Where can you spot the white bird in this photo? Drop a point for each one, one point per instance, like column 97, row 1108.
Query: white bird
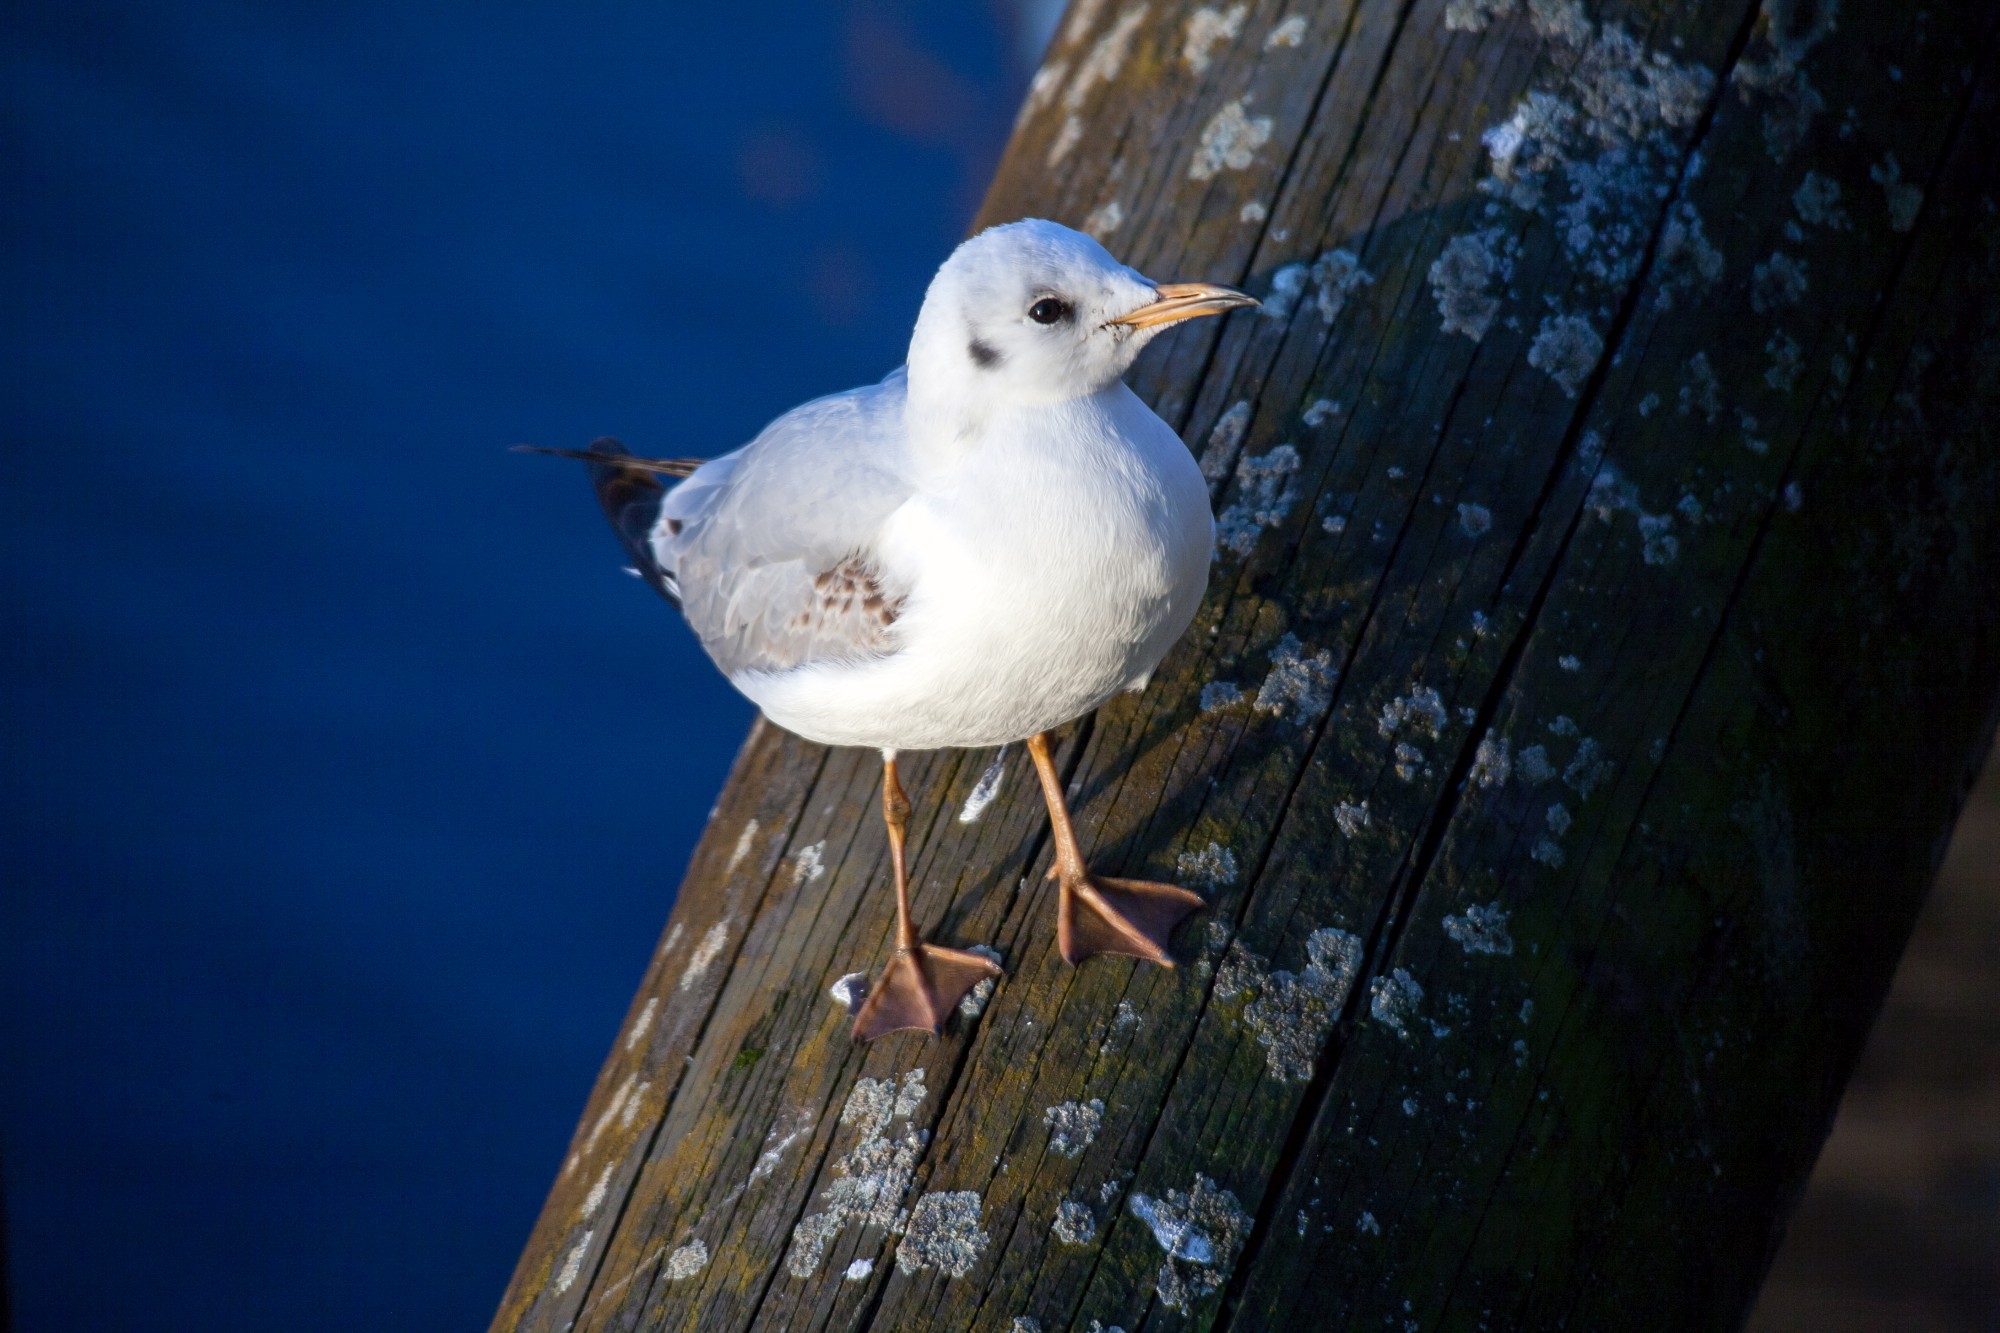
column 989, row 543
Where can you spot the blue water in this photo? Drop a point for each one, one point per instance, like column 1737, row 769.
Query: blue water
column 348, row 780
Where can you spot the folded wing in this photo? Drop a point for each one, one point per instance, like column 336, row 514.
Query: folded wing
column 771, row 550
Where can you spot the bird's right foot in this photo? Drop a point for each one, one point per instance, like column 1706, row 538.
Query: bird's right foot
column 919, row 989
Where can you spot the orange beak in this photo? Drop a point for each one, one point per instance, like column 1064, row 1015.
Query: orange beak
column 1185, row 300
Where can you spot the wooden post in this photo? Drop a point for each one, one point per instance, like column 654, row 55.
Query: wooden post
column 1604, row 631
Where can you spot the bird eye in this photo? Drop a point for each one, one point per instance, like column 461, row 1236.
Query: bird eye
column 1049, row 310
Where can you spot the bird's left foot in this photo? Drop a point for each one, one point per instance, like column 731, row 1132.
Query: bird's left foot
column 1132, row 917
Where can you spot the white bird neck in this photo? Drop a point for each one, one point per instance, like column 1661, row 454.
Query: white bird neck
column 950, row 406
column 944, row 419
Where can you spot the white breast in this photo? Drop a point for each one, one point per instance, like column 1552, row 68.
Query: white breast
column 1051, row 562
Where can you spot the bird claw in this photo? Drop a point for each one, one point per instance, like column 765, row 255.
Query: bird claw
column 919, row 989
column 1131, row 917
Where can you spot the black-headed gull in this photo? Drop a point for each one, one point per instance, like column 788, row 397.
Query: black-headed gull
column 989, row 543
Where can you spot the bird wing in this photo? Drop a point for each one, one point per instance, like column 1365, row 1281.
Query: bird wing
column 772, row 549
column 631, row 493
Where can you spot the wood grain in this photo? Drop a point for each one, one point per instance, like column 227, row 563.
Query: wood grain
column 1700, row 534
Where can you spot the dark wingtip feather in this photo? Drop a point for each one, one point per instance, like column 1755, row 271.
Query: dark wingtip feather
column 614, row 452
column 630, row 490
column 631, row 497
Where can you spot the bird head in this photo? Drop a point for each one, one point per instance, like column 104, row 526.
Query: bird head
column 1032, row 313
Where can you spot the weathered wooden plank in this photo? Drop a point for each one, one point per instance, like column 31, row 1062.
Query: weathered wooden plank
column 760, row 803
column 1607, row 573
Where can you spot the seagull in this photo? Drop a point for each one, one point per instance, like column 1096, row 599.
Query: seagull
column 991, row 542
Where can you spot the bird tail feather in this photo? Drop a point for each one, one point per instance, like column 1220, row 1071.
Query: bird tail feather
column 630, row 490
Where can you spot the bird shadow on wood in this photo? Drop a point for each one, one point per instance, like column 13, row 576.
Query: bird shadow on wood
column 1326, row 424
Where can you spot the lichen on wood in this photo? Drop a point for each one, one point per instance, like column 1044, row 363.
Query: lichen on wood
column 1600, row 644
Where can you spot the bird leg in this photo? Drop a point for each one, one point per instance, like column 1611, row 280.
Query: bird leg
column 923, row 982
column 1097, row 914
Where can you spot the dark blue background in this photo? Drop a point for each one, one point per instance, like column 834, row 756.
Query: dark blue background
column 348, row 780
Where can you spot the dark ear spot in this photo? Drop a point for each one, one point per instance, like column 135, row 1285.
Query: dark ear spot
column 983, row 354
